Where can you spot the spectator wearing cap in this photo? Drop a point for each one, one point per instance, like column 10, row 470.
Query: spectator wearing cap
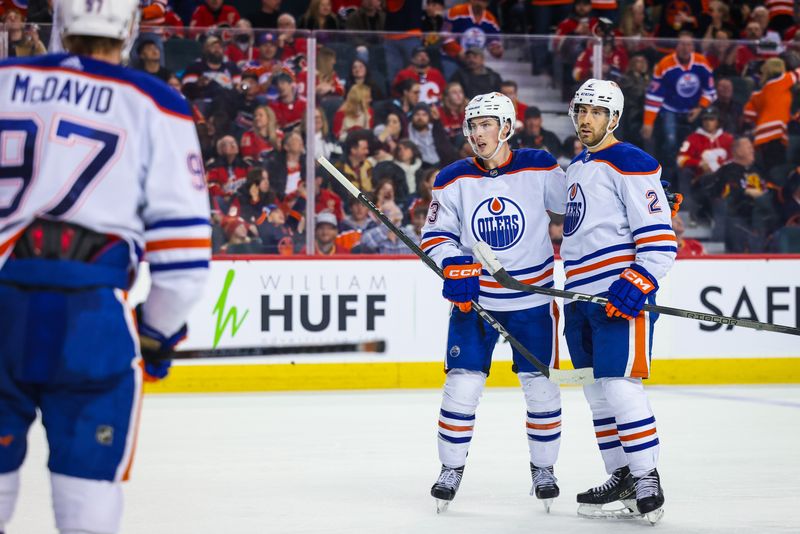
column 431, row 80
column 239, row 239
column 769, row 109
column 258, row 142
column 226, row 172
column 420, row 132
column 289, row 109
column 702, row 153
column 214, row 14
column 451, row 114
column 150, row 59
column 477, row 78
column 471, row 25
column 320, row 16
column 267, row 62
column 356, row 166
column 380, row 240
column 509, row 88
column 355, row 113
column 326, row 229
column 266, row 16
column 210, row 76
column 533, row 135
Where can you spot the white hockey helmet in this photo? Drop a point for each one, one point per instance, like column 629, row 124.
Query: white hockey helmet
column 495, row 105
column 601, row 93
column 117, row 19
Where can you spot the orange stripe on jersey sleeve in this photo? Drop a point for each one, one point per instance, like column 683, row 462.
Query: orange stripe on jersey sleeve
column 165, row 244
column 430, row 242
column 659, row 237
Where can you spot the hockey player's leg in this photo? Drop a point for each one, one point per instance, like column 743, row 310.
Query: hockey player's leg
column 9, row 489
column 86, row 506
column 636, row 426
column 462, row 392
column 543, row 427
column 620, row 486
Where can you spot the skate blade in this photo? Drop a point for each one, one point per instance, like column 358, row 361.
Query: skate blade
column 596, row 511
column 441, row 506
column 655, row 516
column 547, row 503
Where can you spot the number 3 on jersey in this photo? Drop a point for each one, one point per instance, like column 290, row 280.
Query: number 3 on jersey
column 18, row 139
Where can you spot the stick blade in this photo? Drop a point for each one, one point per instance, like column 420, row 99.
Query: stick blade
column 484, row 254
column 575, row 377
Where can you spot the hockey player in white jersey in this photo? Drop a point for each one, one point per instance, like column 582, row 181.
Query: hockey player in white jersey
column 618, row 242
column 500, row 197
column 99, row 167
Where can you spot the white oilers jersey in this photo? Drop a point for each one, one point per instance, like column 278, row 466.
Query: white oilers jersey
column 617, row 214
column 504, row 207
column 115, row 151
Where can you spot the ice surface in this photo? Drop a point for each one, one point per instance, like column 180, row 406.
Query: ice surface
column 363, row 462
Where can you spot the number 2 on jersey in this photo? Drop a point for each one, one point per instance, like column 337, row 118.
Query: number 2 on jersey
column 22, row 169
column 653, row 206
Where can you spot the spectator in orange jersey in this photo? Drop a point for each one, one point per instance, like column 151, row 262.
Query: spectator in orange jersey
column 769, row 109
column 687, row 248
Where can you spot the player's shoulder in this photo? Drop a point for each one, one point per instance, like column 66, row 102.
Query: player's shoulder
column 532, row 159
column 162, row 95
column 454, row 171
column 626, row 158
column 458, row 11
column 579, row 157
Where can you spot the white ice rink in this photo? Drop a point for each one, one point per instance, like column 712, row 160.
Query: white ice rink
column 363, row 462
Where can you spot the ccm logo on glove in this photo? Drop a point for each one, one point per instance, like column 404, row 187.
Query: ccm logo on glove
column 643, row 284
column 456, row 272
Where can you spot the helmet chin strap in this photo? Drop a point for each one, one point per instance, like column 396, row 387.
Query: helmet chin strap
column 500, row 142
column 609, row 131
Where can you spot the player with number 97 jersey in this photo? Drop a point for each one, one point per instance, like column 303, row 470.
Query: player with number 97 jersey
column 99, row 168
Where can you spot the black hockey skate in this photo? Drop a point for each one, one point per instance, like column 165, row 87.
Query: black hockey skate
column 650, row 496
column 544, row 485
column 446, row 486
column 619, row 488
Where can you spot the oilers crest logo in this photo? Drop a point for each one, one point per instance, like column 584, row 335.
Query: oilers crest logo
column 576, row 209
column 498, row 221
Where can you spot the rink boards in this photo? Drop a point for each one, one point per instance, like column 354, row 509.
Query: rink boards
column 285, row 302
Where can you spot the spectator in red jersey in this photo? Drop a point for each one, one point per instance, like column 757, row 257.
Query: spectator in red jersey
column 431, row 79
column 328, row 84
column 240, row 50
column 359, row 73
column 286, row 167
column 324, row 198
column 293, row 49
column 263, row 138
column 289, row 109
column 702, row 153
column 509, row 88
column 568, row 44
column 533, row 135
column 687, row 248
column 355, row 113
column 451, row 114
column 615, row 57
column 745, row 53
column 227, row 172
column 267, row 15
column 210, row 76
column 214, row 14
column 320, row 16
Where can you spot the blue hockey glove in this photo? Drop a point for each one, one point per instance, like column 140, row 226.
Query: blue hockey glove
column 674, row 199
column 461, row 282
column 627, row 296
column 156, row 348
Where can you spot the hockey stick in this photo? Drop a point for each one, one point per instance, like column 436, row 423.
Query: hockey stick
column 558, row 376
column 368, row 346
column 486, row 256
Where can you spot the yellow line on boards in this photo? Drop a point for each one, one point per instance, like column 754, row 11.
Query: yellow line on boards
column 330, row 376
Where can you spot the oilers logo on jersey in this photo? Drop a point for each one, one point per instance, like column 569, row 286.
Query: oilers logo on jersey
column 499, row 221
column 688, row 85
column 576, row 209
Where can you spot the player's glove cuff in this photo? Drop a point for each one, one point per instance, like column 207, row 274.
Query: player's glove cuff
column 156, row 348
column 461, row 281
column 626, row 296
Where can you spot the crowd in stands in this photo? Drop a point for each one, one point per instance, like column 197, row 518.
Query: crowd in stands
column 711, row 90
